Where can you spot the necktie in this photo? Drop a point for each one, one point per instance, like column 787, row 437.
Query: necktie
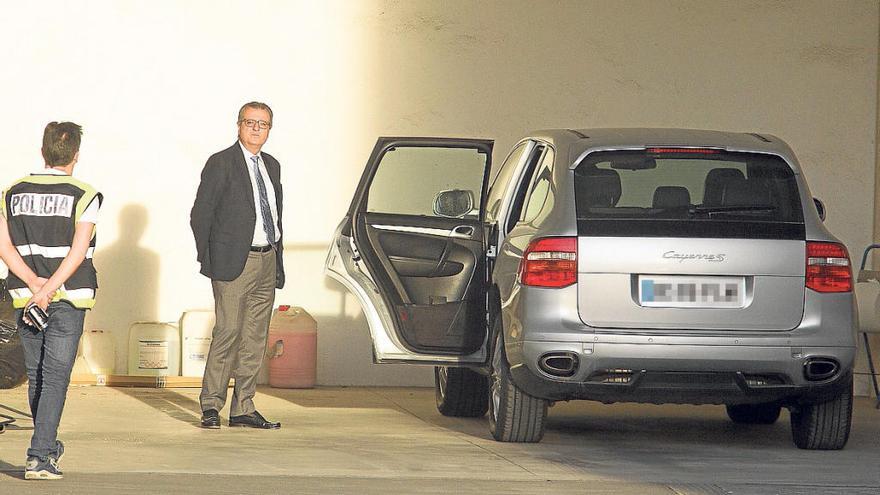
column 265, row 211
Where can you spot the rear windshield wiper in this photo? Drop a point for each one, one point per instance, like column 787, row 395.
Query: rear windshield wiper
column 710, row 210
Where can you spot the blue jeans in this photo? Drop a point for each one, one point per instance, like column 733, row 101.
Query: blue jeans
column 49, row 356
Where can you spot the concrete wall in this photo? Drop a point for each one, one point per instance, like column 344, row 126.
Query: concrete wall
column 874, row 340
column 157, row 84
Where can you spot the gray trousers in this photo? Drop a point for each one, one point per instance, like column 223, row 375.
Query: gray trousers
column 243, row 307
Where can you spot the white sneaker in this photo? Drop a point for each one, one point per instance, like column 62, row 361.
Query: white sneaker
column 42, row 469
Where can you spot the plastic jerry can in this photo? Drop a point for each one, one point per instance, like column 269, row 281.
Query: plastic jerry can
column 99, row 350
column 153, row 349
column 293, row 348
column 196, row 330
column 80, row 367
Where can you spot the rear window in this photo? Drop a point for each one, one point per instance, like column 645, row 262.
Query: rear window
column 663, row 192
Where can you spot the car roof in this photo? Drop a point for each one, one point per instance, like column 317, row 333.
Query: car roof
column 581, row 141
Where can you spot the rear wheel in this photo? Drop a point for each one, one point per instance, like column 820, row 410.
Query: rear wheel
column 754, row 414
column 514, row 416
column 826, row 425
column 461, row 392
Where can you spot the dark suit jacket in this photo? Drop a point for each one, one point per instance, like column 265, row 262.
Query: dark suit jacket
column 224, row 214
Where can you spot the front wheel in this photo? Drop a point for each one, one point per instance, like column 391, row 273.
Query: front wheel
column 460, row 392
column 514, row 416
column 826, row 425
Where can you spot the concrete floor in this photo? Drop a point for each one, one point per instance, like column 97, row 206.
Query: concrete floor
column 392, row 440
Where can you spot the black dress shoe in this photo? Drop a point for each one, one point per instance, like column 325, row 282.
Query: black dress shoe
column 253, row 420
column 211, row 419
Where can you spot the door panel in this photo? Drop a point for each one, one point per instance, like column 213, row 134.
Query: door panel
column 438, row 301
column 414, row 254
column 420, row 274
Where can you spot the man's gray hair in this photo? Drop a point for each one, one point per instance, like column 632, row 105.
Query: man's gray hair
column 255, row 104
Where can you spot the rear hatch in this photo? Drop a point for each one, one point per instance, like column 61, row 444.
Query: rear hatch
column 689, row 239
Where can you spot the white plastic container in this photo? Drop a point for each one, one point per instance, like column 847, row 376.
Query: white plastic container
column 99, row 350
column 80, row 367
column 153, row 349
column 196, row 329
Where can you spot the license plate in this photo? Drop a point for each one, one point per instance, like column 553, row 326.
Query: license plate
column 691, row 292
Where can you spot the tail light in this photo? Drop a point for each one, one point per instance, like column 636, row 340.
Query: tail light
column 828, row 267
column 550, row 262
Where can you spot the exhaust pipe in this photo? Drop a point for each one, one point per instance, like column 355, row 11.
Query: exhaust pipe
column 818, row 369
column 562, row 364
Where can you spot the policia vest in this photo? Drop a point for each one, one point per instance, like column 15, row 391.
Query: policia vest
column 41, row 212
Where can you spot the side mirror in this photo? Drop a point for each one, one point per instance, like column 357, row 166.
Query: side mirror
column 820, row 207
column 454, row 203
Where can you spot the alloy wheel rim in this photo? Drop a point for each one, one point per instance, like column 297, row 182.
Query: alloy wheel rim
column 442, row 377
column 496, row 384
column 496, row 397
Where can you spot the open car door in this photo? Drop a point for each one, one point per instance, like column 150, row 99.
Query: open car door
column 412, row 249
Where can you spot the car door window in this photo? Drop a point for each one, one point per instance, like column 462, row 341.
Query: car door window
column 539, row 197
column 523, row 187
column 496, row 192
column 408, row 179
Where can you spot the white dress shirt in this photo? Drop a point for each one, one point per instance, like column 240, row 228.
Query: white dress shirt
column 259, row 233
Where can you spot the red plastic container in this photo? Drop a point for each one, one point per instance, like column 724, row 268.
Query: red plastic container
column 293, row 348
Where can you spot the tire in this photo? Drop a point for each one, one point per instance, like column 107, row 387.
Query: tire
column 826, row 425
column 514, row 416
column 754, row 414
column 12, row 370
column 461, row 392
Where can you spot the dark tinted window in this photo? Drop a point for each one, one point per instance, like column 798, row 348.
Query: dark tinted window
column 705, row 193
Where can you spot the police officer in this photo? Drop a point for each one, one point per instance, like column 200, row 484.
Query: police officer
column 47, row 238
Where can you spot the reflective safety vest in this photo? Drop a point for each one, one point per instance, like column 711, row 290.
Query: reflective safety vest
column 41, row 211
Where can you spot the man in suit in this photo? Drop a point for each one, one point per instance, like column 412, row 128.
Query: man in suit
column 236, row 222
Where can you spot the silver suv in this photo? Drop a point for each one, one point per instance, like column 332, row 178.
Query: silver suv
column 616, row 265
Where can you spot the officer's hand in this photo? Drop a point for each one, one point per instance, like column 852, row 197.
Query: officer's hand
column 40, row 299
column 37, row 285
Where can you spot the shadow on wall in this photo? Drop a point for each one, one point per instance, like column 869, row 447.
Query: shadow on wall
column 128, row 279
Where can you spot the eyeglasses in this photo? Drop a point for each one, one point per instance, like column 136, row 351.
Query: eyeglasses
column 251, row 123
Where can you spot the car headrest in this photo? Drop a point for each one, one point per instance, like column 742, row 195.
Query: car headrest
column 600, row 188
column 716, row 179
column 745, row 193
column 671, row 197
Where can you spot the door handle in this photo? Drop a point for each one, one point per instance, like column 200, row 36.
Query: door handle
column 462, row 232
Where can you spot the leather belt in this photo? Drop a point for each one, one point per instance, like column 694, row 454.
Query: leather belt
column 261, row 249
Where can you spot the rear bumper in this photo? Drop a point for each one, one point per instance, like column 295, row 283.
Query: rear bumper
column 680, row 373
